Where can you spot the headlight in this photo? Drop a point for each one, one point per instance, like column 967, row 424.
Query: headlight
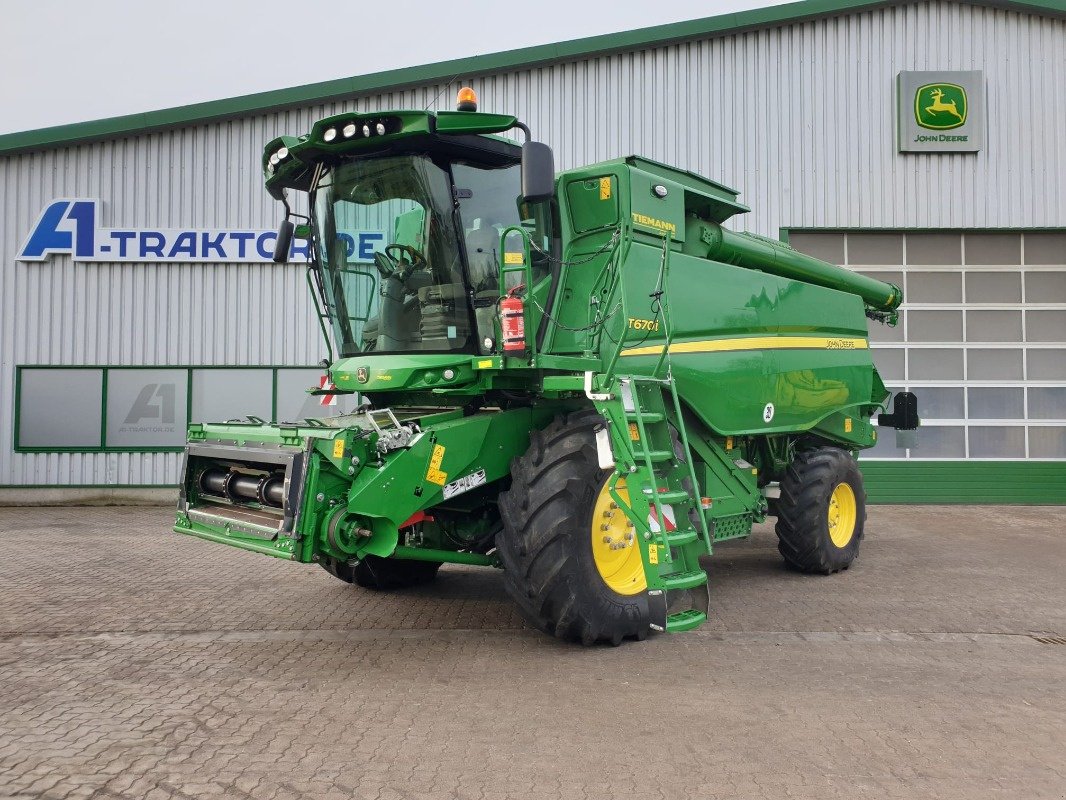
column 330, row 134
column 380, row 129
column 282, row 153
column 366, row 130
column 349, row 130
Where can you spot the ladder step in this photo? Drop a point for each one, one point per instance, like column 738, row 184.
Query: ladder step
column 679, row 538
column 684, row 580
column 685, row 620
column 647, row 379
column 649, row 417
column 671, row 496
column 658, row 455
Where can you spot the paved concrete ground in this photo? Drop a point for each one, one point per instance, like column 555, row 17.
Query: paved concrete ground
column 135, row 663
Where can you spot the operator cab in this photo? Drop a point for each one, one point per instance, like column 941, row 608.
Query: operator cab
column 408, row 244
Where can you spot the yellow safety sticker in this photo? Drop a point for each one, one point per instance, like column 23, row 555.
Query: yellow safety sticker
column 434, row 473
column 338, row 448
column 873, row 435
column 512, row 258
column 653, row 554
column 486, row 364
column 847, row 424
column 634, row 433
column 729, row 443
column 605, row 188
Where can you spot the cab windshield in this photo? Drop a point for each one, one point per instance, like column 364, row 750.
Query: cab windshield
column 409, row 251
column 391, row 267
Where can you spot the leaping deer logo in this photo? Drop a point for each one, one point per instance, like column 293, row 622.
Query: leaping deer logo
column 940, row 106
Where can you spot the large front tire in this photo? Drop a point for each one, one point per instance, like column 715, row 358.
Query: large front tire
column 821, row 513
column 550, row 518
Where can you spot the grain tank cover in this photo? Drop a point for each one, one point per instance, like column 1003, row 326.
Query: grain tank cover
column 695, row 219
column 706, row 198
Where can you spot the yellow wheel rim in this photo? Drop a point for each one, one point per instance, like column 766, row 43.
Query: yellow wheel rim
column 614, row 544
column 843, row 512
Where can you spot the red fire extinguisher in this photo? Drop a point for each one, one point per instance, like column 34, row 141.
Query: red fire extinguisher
column 513, row 322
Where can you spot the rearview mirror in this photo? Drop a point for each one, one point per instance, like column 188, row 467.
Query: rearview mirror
column 284, row 242
column 538, row 172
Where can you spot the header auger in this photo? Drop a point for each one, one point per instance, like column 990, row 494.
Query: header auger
column 583, row 379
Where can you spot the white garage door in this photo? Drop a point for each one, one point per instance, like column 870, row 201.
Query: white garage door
column 981, row 339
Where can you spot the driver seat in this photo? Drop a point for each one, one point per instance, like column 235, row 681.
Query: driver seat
column 439, row 317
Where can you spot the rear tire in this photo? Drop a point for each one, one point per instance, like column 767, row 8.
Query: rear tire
column 382, row 574
column 821, row 513
column 546, row 544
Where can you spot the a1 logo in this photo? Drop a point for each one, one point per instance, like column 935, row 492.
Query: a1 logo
column 768, row 412
column 65, row 226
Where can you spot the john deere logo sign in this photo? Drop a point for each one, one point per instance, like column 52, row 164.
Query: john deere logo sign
column 940, row 106
column 941, row 112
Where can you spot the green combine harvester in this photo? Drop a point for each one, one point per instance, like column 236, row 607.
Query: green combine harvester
column 583, row 379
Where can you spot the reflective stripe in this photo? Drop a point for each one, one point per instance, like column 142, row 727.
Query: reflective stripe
column 753, row 343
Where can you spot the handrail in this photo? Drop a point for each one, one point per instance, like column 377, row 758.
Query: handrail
column 613, row 278
column 526, row 269
column 664, row 269
column 313, row 278
column 683, row 432
column 619, row 286
column 662, row 296
column 656, row 502
column 321, row 316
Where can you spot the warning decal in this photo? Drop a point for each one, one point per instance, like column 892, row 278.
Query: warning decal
column 434, row 474
column 326, row 385
column 464, row 484
column 671, row 520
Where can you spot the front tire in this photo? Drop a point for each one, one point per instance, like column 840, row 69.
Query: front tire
column 551, row 518
column 382, row 574
column 821, row 513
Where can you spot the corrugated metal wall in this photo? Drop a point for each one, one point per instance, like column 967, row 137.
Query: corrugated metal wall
column 800, row 118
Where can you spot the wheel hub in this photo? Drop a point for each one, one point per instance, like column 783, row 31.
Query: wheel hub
column 614, row 543
column 842, row 514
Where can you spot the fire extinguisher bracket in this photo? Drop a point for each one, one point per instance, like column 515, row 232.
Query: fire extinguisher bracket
column 514, row 326
column 513, row 322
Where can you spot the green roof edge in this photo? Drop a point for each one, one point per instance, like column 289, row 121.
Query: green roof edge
column 469, row 67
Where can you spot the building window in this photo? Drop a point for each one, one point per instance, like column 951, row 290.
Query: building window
column 148, row 409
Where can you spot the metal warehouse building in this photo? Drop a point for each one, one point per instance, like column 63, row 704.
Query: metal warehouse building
column 918, row 142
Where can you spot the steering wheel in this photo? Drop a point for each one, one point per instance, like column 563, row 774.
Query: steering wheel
column 416, row 258
column 402, row 263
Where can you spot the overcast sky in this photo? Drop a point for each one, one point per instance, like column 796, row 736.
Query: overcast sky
column 65, row 61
